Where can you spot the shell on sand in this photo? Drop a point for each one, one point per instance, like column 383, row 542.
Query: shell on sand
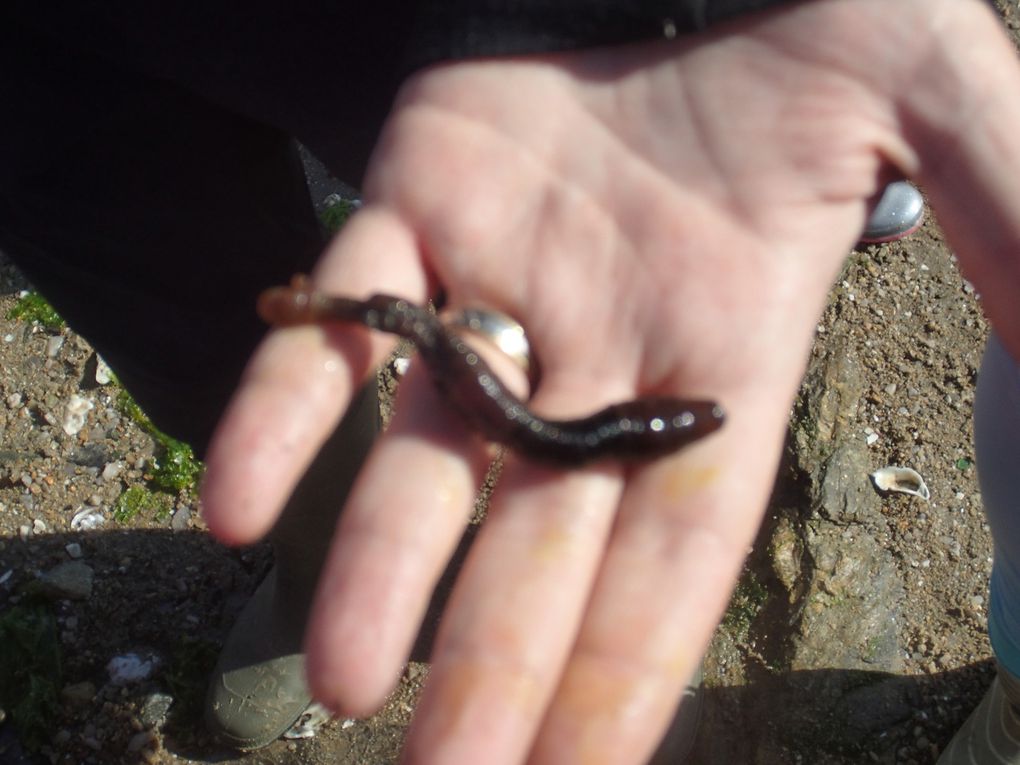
column 902, row 480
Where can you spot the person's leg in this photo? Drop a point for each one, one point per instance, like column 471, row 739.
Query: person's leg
column 152, row 219
column 258, row 690
column 992, row 733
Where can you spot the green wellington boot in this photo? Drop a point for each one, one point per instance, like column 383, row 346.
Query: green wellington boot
column 992, row 732
column 258, row 691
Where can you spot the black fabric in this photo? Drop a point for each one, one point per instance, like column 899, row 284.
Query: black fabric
column 149, row 184
column 325, row 73
column 150, row 219
column 466, row 28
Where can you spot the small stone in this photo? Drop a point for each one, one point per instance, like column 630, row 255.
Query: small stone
column 156, row 709
column 38, row 526
column 140, row 741
column 73, row 550
column 181, row 519
column 86, row 519
column 112, row 470
column 68, row 581
column 104, row 375
column 78, row 694
column 400, row 365
column 76, row 413
column 130, row 668
column 53, row 345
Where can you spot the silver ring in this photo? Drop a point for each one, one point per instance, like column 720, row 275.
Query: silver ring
column 501, row 330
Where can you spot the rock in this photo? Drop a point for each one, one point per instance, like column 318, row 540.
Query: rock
column 78, row 694
column 68, row 581
column 131, row 668
column 76, row 413
column 155, row 709
column 53, row 345
column 87, row 518
column 140, row 741
column 181, row 519
column 104, row 375
column 113, row 470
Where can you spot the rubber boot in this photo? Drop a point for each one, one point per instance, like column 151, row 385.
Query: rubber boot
column 258, row 688
column 992, row 732
column 899, row 212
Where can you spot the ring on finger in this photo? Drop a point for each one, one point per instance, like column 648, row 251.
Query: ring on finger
column 501, row 330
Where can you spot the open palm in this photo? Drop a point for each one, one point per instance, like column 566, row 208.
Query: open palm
column 663, row 219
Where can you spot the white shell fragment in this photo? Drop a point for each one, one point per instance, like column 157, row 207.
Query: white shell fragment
column 902, row 480
column 87, row 518
column 76, row 413
column 131, row 668
column 104, row 375
column 313, row 718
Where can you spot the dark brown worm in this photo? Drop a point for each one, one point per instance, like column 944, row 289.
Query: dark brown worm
column 641, row 429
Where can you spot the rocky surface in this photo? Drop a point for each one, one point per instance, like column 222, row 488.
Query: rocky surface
column 856, row 634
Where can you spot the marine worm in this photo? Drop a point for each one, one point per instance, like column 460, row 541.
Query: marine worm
column 640, row 429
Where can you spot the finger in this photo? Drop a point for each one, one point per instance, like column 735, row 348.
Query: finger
column 515, row 610
column 683, row 530
column 300, row 380
column 400, row 525
column 399, row 529
column 965, row 123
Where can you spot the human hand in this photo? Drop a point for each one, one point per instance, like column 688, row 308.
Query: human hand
column 665, row 218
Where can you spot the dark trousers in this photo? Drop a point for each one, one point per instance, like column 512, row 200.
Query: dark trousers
column 151, row 197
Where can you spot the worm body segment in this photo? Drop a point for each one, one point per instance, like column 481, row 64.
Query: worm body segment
column 640, row 429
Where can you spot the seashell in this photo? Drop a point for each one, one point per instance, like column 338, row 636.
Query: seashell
column 87, row 519
column 76, row 413
column 313, row 718
column 902, row 480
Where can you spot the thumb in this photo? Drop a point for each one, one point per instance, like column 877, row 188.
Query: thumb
column 968, row 118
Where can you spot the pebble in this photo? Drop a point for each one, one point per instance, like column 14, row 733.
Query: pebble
column 130, row 668
column 181, row 519
column 76, row 412
column 400, row 365
column 156, row 709
column 53, row 345
column 104, row 375
column 140, row 741
column 112, row 470
column 78, row 694
column 68, row 581
column 73, row 550
column 86, row 519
